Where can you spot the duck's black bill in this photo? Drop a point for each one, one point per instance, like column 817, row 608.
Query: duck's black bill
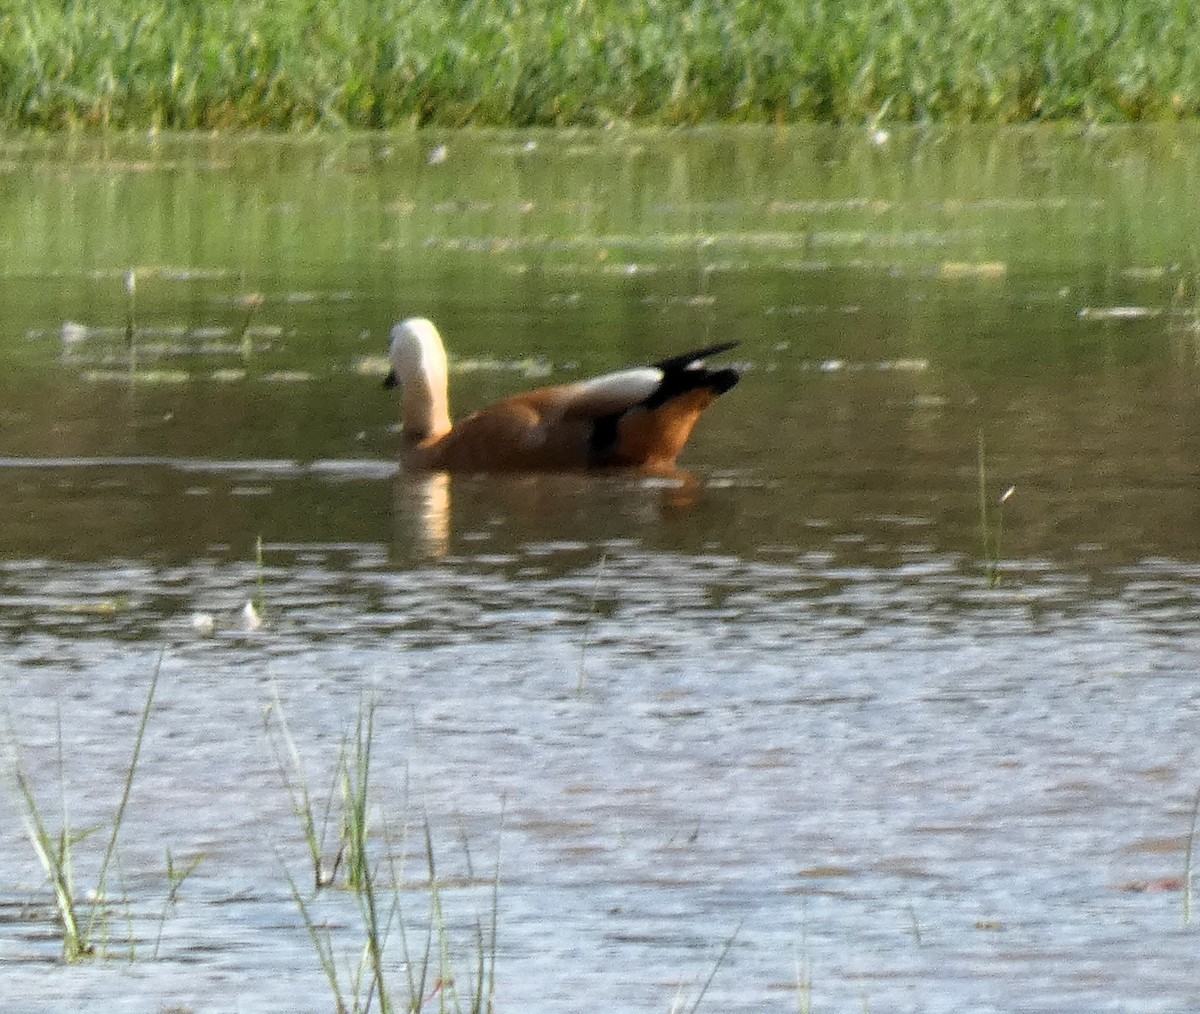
column 390, row 380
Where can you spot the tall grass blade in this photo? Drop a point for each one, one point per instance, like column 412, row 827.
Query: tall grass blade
column 55, row 863
column 322, row 945
column 417, row 972
column 250, row 304
column 375, row 939
column 1187, row 862
column 355, row 784
column 130, row 329
column 175, row 878
column 298, row 790
column 56, row 854
column 366, row 986
column 984, row 527
column 716, row 967
column 359, row 875
column 491, row 971
column 445, row 985
column 803, row 984
column 990, row 536
column 118, row 819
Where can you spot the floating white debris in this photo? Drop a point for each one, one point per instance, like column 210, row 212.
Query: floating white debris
column 1118, row 312
column 982, row 270
column 372, row 366
column 170, row 273
column 474, row 365
column 73, row 333
column 251, row 617
column 534, row 369
column 103, row 607
column 1145, row 274
column 140, row 376
column 438, row 155
column 669, row 482
column 203, row 623
column 905, row 365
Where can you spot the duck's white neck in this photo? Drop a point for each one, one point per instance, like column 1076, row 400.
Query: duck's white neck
column 419, row 359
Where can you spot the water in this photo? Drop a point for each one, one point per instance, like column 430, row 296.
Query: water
column 774, row 701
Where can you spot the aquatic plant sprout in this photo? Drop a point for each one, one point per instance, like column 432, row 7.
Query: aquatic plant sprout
column 991, row 522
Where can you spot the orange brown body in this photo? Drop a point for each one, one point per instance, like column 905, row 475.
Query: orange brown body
column 638, row 418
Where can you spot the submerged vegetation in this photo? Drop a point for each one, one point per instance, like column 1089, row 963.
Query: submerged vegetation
column 351, row 63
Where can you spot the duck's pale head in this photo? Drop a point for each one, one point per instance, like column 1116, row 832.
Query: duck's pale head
column 419, row 368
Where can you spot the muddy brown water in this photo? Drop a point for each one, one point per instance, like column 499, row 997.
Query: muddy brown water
column 787, row 699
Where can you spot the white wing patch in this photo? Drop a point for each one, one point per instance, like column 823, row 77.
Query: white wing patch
column 612, row 393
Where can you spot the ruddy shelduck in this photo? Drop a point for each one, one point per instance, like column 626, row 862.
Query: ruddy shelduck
column 638, row 418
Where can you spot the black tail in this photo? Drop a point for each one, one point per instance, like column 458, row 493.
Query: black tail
column 681, row 374
column 687, row 372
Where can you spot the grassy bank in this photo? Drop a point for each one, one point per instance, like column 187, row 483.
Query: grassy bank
column 396, row 63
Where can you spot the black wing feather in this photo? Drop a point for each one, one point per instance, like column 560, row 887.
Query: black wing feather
column 687, row 372
column 681, row 374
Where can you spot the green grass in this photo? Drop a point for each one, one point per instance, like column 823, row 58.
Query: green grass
column 991, row 520
column 176, row 875
column 372, row 866
column 84, row 928
column 677, row 1005
column 295, row 781
column 1187, row 861
column 290, row 64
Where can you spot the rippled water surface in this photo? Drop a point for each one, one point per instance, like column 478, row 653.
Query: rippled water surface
column 794, row 719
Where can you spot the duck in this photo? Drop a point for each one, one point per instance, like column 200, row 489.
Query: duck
column 637, row 418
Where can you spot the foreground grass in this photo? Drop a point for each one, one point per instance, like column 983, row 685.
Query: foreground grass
column 55, row 851
column 376, row 879
column 358, row 63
